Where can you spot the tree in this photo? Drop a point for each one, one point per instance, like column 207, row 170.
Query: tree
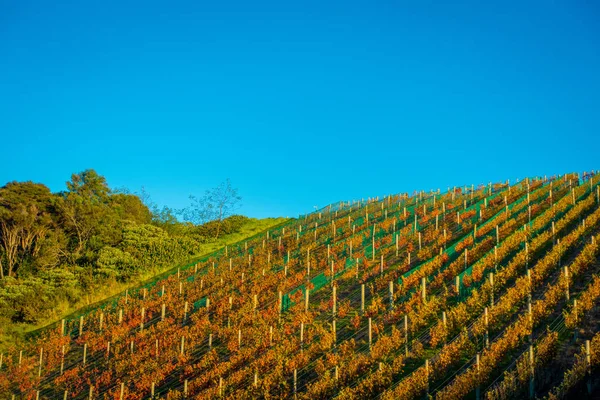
column 84, row 205
column 216, row 205
column 28, row 234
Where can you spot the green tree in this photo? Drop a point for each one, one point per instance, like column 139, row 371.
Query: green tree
column 83, row 207
column 29, row 236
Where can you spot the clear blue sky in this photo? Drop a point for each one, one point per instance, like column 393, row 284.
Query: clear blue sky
column 298, row 103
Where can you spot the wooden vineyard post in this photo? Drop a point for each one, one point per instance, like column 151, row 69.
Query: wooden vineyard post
column 80, row 325
column 101, row 321
column 478, row 388
column 559, row 252
column 120, row 316
column 152, row 390
column 62, row 327
column 280, row 304
column 332, row 273
column 491, row 289
column 381, row 265
column 84, row 353
column 334, row 332
column 406, row 335
column 566, row 272
column 531, row 373
column 391, row 294
column 487, row 326
column 185, row 311
column 427, row 378
column 497, row 235
column 334, row 298
column 306, row 298
column 270, row 336
column 530, row 314
column 424, row 289
column 122, row 392
column 162, row 312
column 444, row 322
column 397, row 244
column 357, row 266
column 185, row 388
column 182, row 349
column 362, row 298
column 62, row 359
column 295, row 382
column 370, row 333
column 301, row 336
column 588, row 363
column 210, row 340
column 40, row 364
column 143, row 314
column 91, row 393
column 373, row 248
column 457, row 285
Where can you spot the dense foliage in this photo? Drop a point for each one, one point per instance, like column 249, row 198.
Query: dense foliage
column 56, row 248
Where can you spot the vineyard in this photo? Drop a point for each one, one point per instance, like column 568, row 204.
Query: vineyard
column 488, row 292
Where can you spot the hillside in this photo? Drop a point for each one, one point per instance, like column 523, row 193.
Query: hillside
column 63, row 251
column 488, row 291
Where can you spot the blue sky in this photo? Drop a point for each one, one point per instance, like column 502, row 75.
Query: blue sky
column 298, row 103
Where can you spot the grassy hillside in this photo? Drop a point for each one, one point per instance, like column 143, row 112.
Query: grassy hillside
column 436, row 294
column 14, row 333
column 63, row 251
